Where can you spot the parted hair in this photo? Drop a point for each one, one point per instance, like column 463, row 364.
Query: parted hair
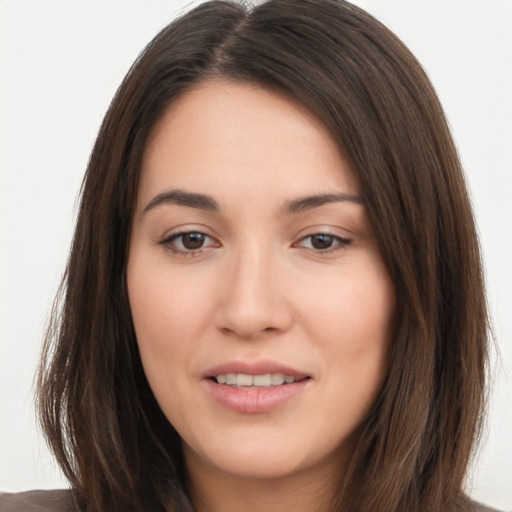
column 96, row 408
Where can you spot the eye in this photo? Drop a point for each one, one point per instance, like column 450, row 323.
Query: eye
column 188, row 242
column 323, row 242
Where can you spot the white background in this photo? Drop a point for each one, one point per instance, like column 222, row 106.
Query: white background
column 60, row 64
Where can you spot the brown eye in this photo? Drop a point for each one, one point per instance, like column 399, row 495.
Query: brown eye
column 193, row 241
column 321, row 241
column 189, row 242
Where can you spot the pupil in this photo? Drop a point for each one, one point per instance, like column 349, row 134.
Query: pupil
column 321, row 241
column 193, row 240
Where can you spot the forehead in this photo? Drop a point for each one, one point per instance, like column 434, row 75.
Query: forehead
column 222, row 136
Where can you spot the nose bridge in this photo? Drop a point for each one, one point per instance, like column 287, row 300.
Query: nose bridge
column 253, row 300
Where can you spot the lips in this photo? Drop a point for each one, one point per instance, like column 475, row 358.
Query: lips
column 261, row 367
column 254, row 388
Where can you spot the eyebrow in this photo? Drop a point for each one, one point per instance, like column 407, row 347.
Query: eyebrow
column 182, row 198
column 208, row 203
column 310, row 202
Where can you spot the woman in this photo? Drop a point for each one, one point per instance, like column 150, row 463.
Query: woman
column 274, row 297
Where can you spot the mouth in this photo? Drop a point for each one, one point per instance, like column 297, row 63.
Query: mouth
column 261, row 381
column 252, row 388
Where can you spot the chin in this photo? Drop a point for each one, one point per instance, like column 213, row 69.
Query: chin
column 260, row 458
column 258, row 465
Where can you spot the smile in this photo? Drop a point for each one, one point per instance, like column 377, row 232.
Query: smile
column 243, row 380
column 255, row 388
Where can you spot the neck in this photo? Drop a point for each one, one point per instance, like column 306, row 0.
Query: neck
column 213, row 490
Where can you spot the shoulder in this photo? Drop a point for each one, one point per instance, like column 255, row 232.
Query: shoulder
column 59, row 500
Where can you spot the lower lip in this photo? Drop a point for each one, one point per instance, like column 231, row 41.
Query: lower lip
column 254, row 400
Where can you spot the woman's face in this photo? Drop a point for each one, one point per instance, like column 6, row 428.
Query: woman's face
column 261, row 304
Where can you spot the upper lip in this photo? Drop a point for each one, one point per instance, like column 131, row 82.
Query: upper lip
column 260, row 367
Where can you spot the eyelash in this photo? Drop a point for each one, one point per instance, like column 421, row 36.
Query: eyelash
column 341, row 243
column 169, row 243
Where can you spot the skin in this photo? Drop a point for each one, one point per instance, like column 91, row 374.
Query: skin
column 257, row 286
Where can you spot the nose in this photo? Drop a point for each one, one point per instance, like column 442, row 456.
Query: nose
column 253, row 299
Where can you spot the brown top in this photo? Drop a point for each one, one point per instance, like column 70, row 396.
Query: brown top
column 59, row 500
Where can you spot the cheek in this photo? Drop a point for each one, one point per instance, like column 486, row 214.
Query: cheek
column 352, row 319
column 166, row 306
column 355, row 307
column 170, row 312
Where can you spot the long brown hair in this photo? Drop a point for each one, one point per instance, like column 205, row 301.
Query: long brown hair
column 114, row 444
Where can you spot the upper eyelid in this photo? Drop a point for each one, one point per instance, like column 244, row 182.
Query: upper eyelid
column 332, row 235
column 336, row 232
column 184, row 230
column 342, row 240
column 174, row 236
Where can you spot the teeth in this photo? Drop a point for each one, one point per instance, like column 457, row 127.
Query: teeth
column 262, row 381
column 277, row 379
column 266, row 380
column 243, row 380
